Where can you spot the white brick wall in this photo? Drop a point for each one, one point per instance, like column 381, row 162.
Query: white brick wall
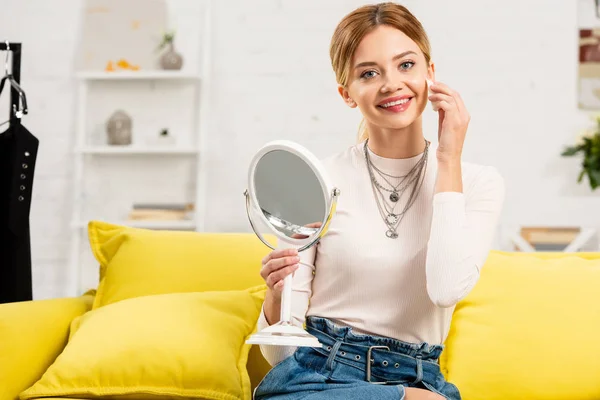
column 513, row 62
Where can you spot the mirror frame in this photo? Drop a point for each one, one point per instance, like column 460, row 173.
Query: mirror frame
column 330, row 193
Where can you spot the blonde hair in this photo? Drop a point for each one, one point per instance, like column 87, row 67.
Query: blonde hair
column 354, row 26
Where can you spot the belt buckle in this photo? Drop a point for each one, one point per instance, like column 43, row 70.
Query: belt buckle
column 369, row 363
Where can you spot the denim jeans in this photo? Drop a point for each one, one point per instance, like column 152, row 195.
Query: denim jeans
column 339, row 370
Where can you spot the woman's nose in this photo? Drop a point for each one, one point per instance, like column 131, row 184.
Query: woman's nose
column 392, row 83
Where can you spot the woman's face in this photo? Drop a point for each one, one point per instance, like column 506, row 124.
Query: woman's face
column 387, row 79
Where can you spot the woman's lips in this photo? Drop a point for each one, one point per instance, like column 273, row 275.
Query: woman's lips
column 396, row 106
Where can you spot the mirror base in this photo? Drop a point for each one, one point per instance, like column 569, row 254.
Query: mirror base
column 284, row 334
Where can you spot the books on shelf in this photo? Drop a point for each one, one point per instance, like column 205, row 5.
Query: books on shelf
column 550, row 238
column 161, row 212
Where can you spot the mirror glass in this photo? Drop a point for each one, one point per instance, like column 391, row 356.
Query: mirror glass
column 289, row 194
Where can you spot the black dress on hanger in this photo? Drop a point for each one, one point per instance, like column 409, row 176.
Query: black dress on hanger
column 18, row 153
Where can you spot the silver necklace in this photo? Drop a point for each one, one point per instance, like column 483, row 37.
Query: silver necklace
column 414, row 179
column 394, row 196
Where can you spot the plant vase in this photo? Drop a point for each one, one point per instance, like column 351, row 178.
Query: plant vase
column 171, row 59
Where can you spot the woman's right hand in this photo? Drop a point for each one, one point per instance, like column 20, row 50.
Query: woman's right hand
column 276, row 266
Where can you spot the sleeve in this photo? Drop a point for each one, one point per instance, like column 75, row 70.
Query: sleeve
column 462, row 231
column 301, row 292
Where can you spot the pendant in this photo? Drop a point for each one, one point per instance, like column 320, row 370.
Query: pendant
column 394, row 197
column 391, row 234
column 391, row 219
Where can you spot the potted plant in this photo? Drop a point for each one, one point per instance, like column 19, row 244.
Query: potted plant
column 588, row 144
column 171, row 59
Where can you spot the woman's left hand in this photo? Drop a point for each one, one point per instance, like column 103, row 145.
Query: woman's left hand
column 453, row 121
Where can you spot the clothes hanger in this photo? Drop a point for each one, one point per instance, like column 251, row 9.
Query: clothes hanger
column 15, row 85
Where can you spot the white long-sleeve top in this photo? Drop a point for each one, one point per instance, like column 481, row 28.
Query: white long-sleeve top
column 404, row 288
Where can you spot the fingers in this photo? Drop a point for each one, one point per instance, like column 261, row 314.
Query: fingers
column 311, row 225
column 277, row 265
column 278, row 254
column 441, row 96
column 275, row 280
column 443, row 105
column 442, row 101
column 441, row 89
column 449, row 105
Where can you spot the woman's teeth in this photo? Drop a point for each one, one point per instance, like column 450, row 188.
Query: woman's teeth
column 395, row 103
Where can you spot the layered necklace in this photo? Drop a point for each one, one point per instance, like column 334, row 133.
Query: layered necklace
column 388, row 194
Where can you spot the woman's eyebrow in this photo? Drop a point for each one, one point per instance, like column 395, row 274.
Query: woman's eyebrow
column 372, row 63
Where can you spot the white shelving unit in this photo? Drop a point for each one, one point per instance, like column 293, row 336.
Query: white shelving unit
column 136, row 75
column 85, row 152
column 135, row 150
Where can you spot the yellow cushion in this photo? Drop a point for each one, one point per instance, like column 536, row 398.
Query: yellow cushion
column 25, row 353
column 138, row 262
column 180, row 345
column 528, row 330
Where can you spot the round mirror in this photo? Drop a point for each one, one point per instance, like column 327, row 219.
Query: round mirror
column 289, row 191
column 289, row 194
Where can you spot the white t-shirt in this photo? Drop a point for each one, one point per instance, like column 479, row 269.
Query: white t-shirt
column 404, row 288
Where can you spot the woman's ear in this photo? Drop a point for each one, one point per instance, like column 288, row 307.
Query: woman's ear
column 346, row 96
column 431, row 72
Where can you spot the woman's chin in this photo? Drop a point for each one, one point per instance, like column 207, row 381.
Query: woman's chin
column 397, row 122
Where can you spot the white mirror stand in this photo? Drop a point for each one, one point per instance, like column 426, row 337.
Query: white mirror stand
column 281, row 220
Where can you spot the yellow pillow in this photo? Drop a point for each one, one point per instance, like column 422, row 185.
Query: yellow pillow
column 139, row 262
column 528, row 330
column 25, row 353
column 180, row 345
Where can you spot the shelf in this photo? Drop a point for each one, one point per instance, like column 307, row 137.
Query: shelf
column 140, row 150
column 160, row 224
column 137, row 75
column 187, row 95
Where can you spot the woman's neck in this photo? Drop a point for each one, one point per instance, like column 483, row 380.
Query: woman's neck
column 397, row 143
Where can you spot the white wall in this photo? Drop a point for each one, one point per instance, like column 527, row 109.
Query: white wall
column 513, row 62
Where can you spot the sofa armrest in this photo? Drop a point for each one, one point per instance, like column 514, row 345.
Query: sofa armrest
column 32, row 335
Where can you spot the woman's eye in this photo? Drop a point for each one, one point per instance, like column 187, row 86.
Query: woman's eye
column 407, row 65
column 368, row 74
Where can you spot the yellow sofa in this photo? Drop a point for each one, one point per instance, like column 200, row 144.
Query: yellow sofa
column 527, row 331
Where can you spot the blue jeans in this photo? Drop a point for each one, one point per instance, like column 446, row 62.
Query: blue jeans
column 339, row 370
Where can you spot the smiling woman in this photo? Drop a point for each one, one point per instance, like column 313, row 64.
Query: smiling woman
column 370, row 85
column 366, row 50
column 413, row 227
